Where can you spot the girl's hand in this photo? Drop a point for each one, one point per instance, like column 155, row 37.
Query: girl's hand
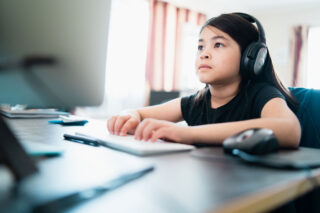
column 152, row 129
column 123, row 124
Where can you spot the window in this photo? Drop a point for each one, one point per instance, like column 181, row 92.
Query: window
column 126, row 59
column 188, row 78
column 313, row 58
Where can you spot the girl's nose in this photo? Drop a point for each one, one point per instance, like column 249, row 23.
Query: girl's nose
column 204, row 55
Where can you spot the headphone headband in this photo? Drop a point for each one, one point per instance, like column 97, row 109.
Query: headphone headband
column 262, row 37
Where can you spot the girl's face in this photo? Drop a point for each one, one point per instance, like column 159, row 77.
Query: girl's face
column 218, row 58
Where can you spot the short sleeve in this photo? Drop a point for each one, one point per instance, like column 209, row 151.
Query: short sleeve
column 187, row 103
column 265, row 93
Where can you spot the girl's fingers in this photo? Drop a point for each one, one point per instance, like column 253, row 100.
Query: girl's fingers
column 148, row 129
column 119, row 123
column 160, row 133
column 129, row 126
column 166, row 133
column 141, row 131
column 141, row 126
column 110, row 124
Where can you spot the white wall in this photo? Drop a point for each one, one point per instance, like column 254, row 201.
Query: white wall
column 277, row 25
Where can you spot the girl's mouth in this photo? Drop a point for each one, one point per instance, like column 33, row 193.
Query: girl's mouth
column 204, row 66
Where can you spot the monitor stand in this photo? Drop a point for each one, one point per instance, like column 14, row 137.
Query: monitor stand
column 13, row 155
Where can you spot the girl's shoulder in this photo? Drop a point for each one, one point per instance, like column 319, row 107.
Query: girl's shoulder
column 197, row 98
column 262, row 88
column 190, row 98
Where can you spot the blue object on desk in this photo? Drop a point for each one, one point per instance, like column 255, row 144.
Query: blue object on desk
column 69, row 123
column 70, row 120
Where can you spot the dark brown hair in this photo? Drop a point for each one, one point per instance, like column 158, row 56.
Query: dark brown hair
column 245, row 33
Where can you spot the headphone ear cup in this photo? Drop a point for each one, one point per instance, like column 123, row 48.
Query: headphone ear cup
column 253, row 59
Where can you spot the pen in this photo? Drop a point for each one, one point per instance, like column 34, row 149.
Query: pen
column 81, row 139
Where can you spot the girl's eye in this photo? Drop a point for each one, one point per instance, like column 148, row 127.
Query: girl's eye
column 200, row 47
column 218, row 45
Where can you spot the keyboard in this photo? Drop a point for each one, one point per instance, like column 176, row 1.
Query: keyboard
column 141, row 148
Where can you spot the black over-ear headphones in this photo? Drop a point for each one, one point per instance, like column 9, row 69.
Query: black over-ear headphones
column 255, row 55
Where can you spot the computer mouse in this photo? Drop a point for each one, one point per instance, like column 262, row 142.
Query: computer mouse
column 254, row 141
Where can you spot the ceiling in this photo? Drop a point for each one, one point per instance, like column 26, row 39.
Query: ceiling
column 215, row 7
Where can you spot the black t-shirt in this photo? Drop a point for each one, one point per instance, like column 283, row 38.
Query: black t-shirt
column 247, row 104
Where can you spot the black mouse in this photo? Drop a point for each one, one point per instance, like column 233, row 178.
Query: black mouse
column 254, row 141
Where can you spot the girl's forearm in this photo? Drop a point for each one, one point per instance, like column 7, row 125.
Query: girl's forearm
column 287, row 132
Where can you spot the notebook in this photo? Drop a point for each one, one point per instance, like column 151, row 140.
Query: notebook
column 141, row 148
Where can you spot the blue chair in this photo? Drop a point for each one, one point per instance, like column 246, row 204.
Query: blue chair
column 309, row 115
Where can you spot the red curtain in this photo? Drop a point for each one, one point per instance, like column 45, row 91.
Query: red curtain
column 299, row 41
column 164, row 45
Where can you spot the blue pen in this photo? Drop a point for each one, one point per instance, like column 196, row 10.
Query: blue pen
column 81, row 139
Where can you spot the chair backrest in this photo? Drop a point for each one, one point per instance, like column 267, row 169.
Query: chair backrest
column 159, row 97
column 309, row 115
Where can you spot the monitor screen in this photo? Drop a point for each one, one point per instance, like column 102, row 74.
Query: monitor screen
column 53, row 52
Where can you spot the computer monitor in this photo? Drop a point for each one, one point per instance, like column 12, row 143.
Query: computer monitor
column 53, row 53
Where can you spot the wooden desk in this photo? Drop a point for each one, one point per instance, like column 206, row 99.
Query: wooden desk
column 179, row 183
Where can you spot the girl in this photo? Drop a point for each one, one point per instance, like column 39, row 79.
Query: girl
column 236, row 97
